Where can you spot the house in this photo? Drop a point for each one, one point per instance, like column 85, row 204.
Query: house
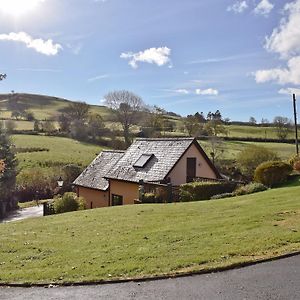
column 114, row 177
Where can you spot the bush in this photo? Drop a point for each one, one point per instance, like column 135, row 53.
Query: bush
column 68, row 202
column 293, row 159
column 221, row 196
column 252, row 156
column 35, row 183
column 150, row 198
column 296, row 165
column 272, row 173
column 196, row 191
column 253, row 187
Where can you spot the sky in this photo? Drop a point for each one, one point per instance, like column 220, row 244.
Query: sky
column 241, row 57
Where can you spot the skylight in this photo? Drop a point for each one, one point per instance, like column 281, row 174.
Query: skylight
column 142, row 161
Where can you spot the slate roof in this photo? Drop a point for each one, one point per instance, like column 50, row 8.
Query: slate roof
column 93, row 175
column 166, row 151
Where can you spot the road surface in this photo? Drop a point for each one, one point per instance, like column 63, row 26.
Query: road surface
column 272, row 280
column 24, row 213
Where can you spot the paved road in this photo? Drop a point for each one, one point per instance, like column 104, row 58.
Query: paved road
column 273, row 280
column 25, row 213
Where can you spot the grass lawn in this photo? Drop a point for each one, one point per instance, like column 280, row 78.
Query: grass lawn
column 148, row 240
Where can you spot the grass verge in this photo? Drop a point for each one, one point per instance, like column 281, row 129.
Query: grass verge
column 150, row 240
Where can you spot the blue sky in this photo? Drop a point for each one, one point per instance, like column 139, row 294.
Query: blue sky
column 240, row 57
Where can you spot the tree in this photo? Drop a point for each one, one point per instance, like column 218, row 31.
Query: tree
column 78, row 111
column 252, row 156
column 64, row 123
column 192, row 125
column 283, row 126
column 252, row 120
column 216, row 147
column 214, row 127
column 36, row 126
column 10, row 125
column 48, row 126
column 125, row 105
column 95, row 125
column 9, row 168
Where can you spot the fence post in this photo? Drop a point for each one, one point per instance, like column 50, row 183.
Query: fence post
column 170, row 192
column 141, row 190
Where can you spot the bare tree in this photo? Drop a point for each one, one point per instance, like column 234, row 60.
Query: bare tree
column 126, row 105
column 283, row 127
column 78, row 111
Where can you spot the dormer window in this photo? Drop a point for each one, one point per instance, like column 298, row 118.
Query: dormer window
column 143, row 160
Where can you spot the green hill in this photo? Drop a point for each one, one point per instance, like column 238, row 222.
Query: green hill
column 42, row 106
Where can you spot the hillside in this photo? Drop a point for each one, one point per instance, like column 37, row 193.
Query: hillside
column 42, row 106
column 150, row 240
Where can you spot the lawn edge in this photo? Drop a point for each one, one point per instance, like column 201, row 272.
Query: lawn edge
column 177, row 274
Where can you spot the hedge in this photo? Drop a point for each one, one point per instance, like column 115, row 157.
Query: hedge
column 196, row 191
column 272, row 173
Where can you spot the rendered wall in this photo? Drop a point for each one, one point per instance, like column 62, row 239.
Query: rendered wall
column 94, row 197
column 178, row 174
column 129, row 191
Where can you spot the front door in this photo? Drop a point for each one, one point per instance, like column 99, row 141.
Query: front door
column 190, row 169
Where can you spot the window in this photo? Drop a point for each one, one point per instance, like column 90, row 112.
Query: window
column 142, row 161
column 116, row 200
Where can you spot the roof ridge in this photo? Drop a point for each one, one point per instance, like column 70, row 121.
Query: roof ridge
column 114, row 151
column 166, row 139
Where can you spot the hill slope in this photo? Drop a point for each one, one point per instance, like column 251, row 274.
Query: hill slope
column 43, row 107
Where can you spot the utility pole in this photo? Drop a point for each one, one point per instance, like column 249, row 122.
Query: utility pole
column 296, row 126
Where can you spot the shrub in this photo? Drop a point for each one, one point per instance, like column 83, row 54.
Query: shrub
column 272, row 173
column 35, row 183
column 293, row 159
column 253, row 187
column 149, row 198
column 68, row 202
column 252, row 156
column 221, row 196
column 195, row 191
column 296, row 166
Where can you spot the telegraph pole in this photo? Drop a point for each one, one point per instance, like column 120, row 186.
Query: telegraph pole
column 296, row 126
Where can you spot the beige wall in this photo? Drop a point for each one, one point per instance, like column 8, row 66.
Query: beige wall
column 178, row 174
column 95, row 197
column 129, row 191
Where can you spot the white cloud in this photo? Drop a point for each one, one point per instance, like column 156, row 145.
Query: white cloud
column 289, row 91
column 290, row 74
column 46, row 47
column 98, row 77
column 238, row 7
column 207, row 92
column 285, row 39
column 264, row 7
column 182, row 91
column 159, row 56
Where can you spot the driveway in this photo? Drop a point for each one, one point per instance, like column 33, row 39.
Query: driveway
column 25, row 213
column 272, row 280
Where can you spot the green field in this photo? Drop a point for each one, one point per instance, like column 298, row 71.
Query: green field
column 243, row 131
column 58, row 151
column 232, row 148
column 149, row 240
column 62, row 151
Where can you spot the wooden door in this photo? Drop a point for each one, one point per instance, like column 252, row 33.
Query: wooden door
column 190, row 169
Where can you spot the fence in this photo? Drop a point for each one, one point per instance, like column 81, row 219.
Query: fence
column 48, row 209
column 164, row 193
